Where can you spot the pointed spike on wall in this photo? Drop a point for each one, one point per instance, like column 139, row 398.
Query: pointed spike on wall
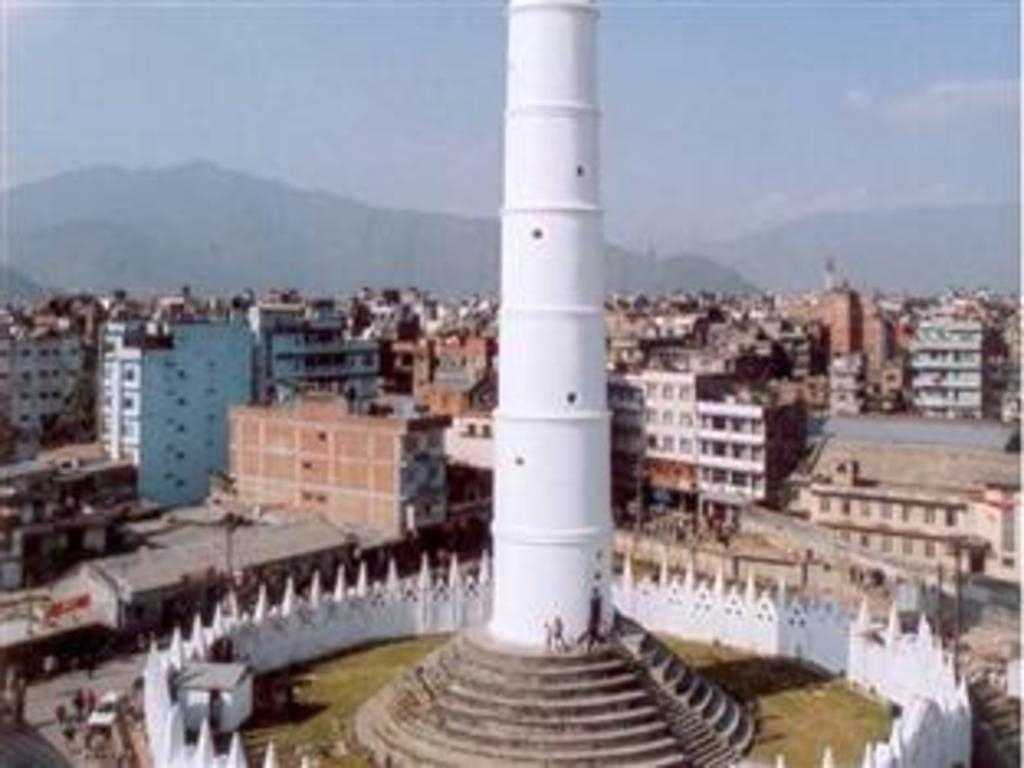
column 827, row 760
column 339, row 583
column 203, row 757
column 924, row 628
column 288, row 601
column 262, row 604
column 485, row 568
column 236, row 755
column 423, row 580
column 177, row 650
column 892, row 629
column 392, row 582
column 306, row 762
column 750, row 594
column 217, row 625
column 869, row 760
column 627, row 570
column 780, row 761
column 270, row 758
column 690, row 578
column 361, row 581
column 719, row 581
column 233, row 605
column 663, row 570
column 200, row 647
column 315, row 589
column 864, row 616
column 453, row 572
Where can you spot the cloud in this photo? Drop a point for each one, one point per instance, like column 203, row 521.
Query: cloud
column 940, row 104
column 779, row 208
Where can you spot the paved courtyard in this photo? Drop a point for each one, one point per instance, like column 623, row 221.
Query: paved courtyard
column 44, row 696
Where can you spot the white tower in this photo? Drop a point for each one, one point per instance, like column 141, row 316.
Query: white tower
column 552, row 524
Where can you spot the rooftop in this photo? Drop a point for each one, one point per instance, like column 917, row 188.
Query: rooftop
column 909, row 430
column 185, row 549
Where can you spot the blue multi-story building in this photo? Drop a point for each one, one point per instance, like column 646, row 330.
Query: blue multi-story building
column 299, row 345
column 166, row 391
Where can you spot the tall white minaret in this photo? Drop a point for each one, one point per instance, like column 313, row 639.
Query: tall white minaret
column 552, row 523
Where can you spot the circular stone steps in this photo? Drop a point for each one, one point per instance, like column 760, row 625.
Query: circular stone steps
column 476, row 702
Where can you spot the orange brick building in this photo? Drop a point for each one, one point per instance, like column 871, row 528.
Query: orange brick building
column 381, row 471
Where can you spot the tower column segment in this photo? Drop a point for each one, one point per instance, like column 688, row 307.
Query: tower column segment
column 552, row 525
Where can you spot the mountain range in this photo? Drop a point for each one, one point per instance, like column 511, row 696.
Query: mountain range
column 219, row 230
column 918, row 250
column 107, row 227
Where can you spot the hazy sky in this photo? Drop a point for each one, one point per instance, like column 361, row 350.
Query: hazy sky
column 720, row 116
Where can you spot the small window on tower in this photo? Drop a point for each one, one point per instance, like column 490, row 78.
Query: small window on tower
column 519, row 461
column 581, row 171
column 571, row 398
column 538, row 234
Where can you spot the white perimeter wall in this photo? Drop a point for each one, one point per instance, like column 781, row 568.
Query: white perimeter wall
column 911, row 671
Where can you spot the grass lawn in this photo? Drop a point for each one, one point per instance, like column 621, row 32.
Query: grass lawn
column 800, row 712
column 327, row 697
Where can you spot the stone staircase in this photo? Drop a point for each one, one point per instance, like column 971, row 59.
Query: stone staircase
column 476, row 703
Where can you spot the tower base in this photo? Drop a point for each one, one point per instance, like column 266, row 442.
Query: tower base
column 626, row 702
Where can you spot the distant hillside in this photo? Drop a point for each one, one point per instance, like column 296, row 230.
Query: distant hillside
column 107, row 227
column 14, row 286
column 921, row 250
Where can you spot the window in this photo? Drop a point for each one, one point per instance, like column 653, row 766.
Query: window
column 887, row 544
column 904, row 512
column 950, row 517
column 846, row 506
column 929, row 548
column 666, row 391
column 929, row 515
column 865, row 540
column 908, row 546
column 865, row 508
column 668, row 443
column 825, row 505
column 844, row 535
column 652, row 441
column 886, row 510
column 666, row 417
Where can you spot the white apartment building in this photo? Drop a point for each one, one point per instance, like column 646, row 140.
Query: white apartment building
column 38, row 374
column 748, row 443
column 166, row 391
column 847, row 385
column 670, row 449
column 308, row 345
column 948, row 368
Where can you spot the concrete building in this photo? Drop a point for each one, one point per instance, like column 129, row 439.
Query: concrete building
column 846, row 382
column 39, row 371
column 456, row 375
column 919, row 504
column 843, row 315
column 628, row 440
column 748, row 443
column 948, row 368
column 55, row 513
column 381, row 470
column 307, row 345
column 165, row 395
column 670, row 401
